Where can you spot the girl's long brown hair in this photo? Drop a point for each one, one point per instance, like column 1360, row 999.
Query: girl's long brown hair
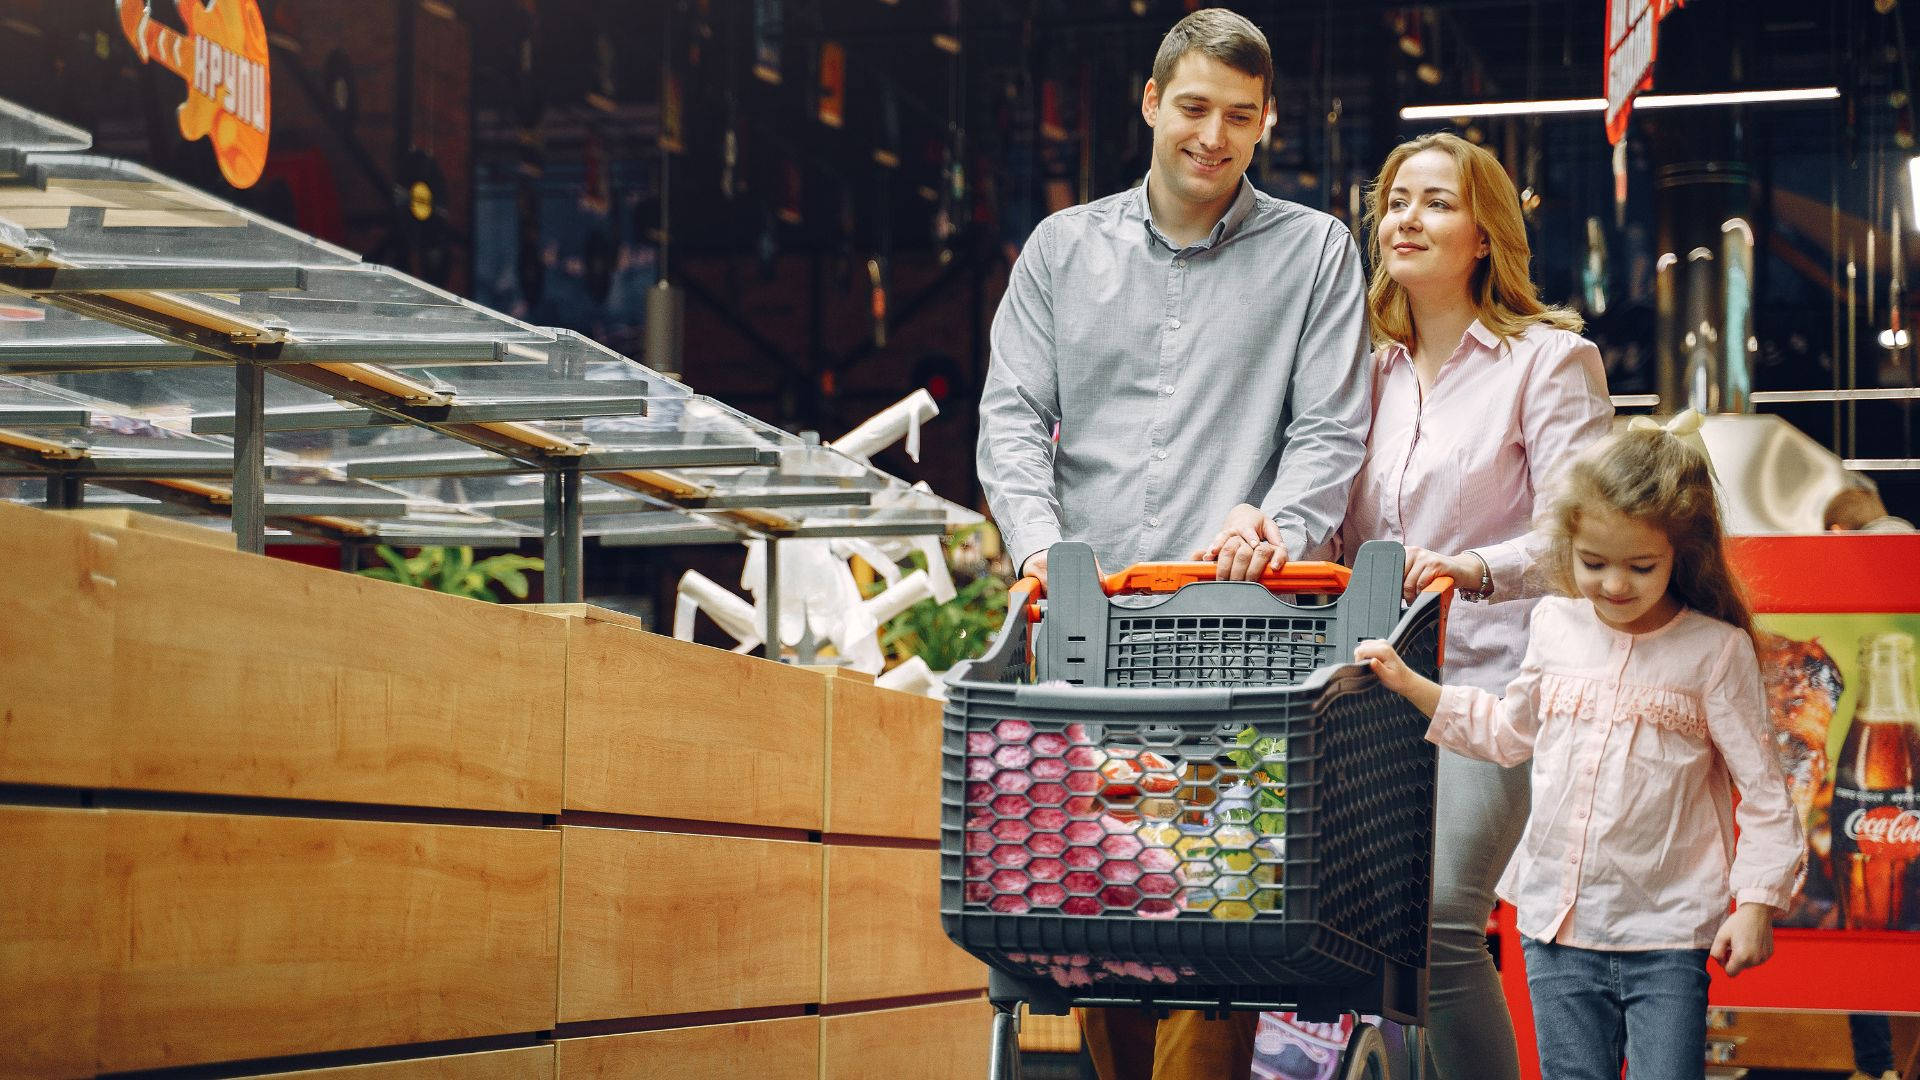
column 1659, row 480
column 1503, row 294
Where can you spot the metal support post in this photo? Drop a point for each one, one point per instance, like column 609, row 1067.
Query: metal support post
column 772, row 595
column 564, row 581
column 65, row 491
column 249, row 457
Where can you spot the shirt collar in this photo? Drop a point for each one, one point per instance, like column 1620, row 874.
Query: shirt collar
column 1477, row 331
column 1229, row 223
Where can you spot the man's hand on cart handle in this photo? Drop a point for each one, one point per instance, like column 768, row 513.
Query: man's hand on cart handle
column 1036, row 567
column 1246, row 547
column 1746, row 939
column 1395, row 675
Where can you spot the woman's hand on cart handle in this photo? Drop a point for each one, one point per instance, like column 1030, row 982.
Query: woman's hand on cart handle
column 1423, row 566
column 1246, row 547
column 1395, row 675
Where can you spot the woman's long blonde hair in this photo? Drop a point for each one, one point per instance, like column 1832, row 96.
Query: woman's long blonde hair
column 1657, row 479
column 1503, row 294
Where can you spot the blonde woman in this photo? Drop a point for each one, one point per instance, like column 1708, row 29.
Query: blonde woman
column 1481, row 395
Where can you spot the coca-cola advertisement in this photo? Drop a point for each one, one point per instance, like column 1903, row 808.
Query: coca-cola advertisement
column 1844, row 695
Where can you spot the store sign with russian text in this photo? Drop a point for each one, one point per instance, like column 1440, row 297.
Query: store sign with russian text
column 222, row 58
column 1632, row 46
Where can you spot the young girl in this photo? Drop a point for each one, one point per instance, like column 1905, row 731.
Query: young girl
column 1640, row 704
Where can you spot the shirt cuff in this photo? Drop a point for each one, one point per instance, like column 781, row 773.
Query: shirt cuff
column 1296, row 544
column 1777, row 899
column 1448, row 716
column 1507, row 565
column 1024, row 541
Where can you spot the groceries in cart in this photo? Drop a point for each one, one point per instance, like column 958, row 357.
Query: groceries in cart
column 1059, row 820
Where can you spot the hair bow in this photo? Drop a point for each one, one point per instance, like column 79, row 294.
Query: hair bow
column 1685, row 426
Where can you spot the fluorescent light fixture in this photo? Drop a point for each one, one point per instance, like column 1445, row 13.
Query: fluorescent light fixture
column 1913, row 184
column 1594, row 104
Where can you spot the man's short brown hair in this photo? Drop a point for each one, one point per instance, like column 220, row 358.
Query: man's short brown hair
column 1854, row 508
column 1223, row 35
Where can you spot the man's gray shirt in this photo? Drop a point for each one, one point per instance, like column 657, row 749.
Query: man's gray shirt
column 1182, row 380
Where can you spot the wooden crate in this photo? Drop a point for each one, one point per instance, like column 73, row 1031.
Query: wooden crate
column 227, row 937
column 657, row 923
column 883, row 935
column 926, row 1042
column 669, row 729
column 784, row 1049
column 50, row 941
column 122, row 518
column 883, row 761
column 241, row 675
column 56, row 648
column 526, row 1063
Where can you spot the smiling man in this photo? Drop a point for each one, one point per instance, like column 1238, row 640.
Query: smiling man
column 1195, row 344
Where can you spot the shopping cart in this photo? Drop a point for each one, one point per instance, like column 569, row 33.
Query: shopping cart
column 1196, row 800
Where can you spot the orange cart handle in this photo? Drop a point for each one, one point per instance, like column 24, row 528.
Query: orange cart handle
column 1295, row 577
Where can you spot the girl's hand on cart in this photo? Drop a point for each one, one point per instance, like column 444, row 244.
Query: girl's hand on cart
column 1746, row 939
column 1395, row 675
column 1247, row 546
column 1423, row 566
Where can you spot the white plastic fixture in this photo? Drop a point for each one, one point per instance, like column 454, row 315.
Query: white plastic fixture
column 698, row 592
column 888, row 426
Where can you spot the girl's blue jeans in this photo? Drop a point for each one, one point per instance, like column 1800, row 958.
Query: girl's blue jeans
column 1593, row 1010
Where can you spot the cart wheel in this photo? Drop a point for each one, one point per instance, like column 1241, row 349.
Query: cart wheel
column 1366, row 1056
column 1005, row 1064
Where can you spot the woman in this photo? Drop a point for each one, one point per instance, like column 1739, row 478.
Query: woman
column 1481, row 395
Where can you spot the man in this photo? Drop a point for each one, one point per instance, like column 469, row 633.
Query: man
column 1857, row 508
column 1162, row 355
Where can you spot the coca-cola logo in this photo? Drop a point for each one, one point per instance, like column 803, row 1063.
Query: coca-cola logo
column 1885, row 830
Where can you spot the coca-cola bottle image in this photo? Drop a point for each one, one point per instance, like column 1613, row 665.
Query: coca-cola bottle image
column 1876, row 793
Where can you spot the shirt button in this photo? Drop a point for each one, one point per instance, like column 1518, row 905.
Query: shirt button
column 1160, row 455
column 1589, row 770
column 1167, row 390
column 1179, row 264
column 1153, row 522
column 1173, row 324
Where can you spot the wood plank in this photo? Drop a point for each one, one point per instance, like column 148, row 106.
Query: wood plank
column 115, row 517
column 784, row 1049
column 883, row 936
column 56, row 648
column 1786, row 1040
column 525, row 1063
column 49, row 941
column 242, row 675
column 231, row 937
column 926, row 1042
column 883, row 762
column 658, row 923
column 665, row 728
column 590, row 612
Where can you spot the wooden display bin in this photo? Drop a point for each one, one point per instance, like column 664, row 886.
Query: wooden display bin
column 159, row 939
column 140, row 661
column 926, row 1042
column 787, row 1048
column 883, row 935
column 659, row 728
column 525, row 1063
column 883, row 761
column 278, row 811
column 657, row 923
